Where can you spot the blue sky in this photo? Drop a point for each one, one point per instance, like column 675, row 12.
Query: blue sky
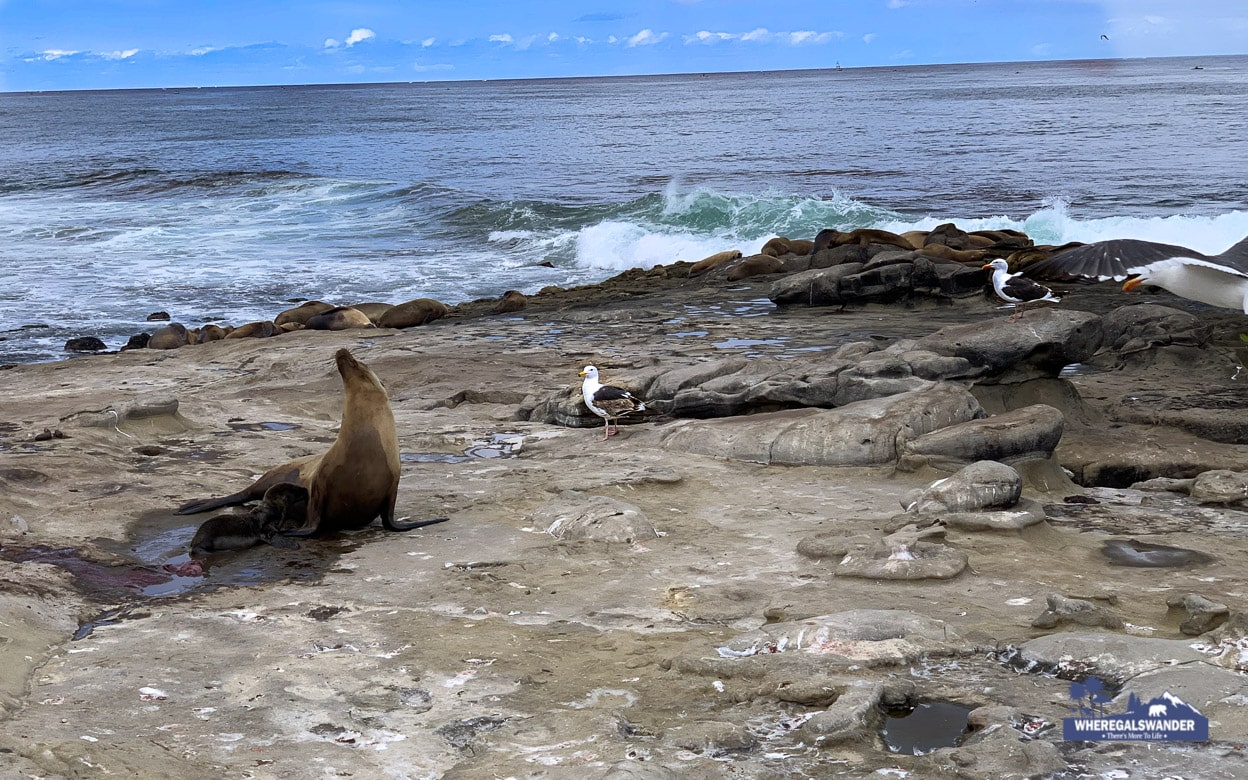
column 105, row 44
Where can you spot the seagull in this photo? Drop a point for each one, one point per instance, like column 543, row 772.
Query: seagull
column 1218, row 280
column 607, row 401
column 1016, row 288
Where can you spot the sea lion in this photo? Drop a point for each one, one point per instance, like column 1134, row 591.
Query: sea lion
column 717, row 260
column 339, row 318
column 284, row 508
column 356, row 479
column 302, row 313
column 755, row 265
column 915, row 238
column 373, row 309
column 254, row 330
column 418, row 311
column 831, row 237
column 946, row 252
column 171, row 336
column 212, row 332
column 786, row 246
column 512, row 300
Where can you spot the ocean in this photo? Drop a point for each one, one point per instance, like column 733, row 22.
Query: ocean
column 227, row 204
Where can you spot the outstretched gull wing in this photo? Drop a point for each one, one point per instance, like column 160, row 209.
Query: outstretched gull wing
column 1116, row 259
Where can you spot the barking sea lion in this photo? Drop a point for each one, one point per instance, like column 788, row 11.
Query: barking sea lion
column 355, row 480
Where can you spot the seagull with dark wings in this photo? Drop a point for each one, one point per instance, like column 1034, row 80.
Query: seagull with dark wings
column 1218, row 280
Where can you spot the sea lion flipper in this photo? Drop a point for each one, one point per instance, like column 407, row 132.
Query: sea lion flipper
column 394, row 525
column 206, row 504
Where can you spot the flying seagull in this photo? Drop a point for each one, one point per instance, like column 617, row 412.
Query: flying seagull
column 607, row 401
column 1218, row 280
column 1016, row 288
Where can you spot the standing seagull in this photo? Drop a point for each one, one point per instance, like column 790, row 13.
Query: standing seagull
column 1218, row 280
column 1016, row 288
column 607, row 401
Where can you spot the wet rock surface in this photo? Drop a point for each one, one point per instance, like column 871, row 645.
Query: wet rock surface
column 720, row 636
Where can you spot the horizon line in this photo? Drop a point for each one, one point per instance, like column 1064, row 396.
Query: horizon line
column 834, row 69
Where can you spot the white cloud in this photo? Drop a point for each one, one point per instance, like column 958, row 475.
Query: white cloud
column 359, row 35
column 763, row 35
column 426, row 68
column 56, row 54
column 504, row 38
column 706, row 36
column 612, row 39
column 898, row 3
column 869, row 37
column 331, row 43
column 809, row 37
column 120, row 55
column 202, row 50
column 426, row 43
column 554, row 36
column 646, row 37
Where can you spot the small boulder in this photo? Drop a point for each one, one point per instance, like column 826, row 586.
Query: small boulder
column 985, row 484
column 575, row 515
column 85, row 344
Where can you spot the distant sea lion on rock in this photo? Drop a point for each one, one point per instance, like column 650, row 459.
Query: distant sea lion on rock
column 419, row 311
column 945, row 252
column 373, row 309
column 171, row 336
column 780, row 245
column 512, row 300
column 212, row 332
column 284, row 508
column 302, row 313
column 916, row 238
column 717, row 260
column 755, row 265
column 831, row 237
column 356, row 479
column 339, row 318
column 254, row 330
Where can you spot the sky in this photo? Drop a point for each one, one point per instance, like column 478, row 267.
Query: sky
column 124, row 44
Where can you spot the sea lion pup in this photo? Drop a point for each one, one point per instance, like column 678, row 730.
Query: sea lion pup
column 352, row 482
column 284, row 508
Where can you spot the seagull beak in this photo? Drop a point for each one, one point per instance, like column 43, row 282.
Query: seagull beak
column 1131, row 284
column 987, row 267
column 580, row 373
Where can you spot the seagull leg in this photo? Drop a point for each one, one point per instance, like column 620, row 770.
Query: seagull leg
column 1018, row 314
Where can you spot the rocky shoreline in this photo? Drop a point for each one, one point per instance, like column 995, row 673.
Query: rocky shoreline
column 751, row 581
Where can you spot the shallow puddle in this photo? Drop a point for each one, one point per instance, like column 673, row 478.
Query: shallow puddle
column 263, row 426
column 498, row 445
column 925, row 728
